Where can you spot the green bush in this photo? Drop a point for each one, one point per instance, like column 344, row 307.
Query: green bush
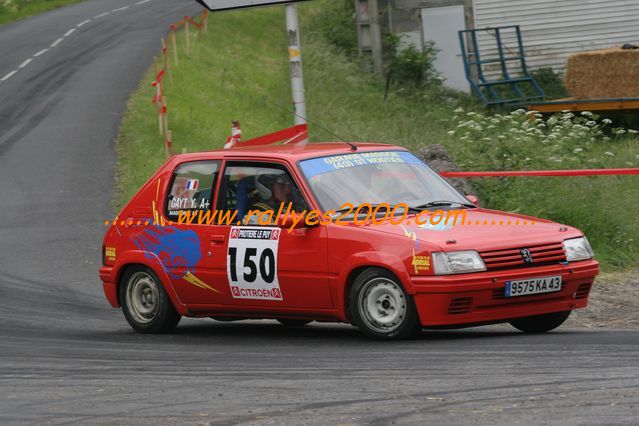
column 552, row 83
column 336, row 22
column 409, row 66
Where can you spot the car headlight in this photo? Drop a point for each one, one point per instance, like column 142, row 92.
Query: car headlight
column 457, row 262
column 578, row 249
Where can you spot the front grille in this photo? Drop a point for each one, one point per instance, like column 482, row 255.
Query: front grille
column 582, row 291
column 460, row 305
column 543, row 254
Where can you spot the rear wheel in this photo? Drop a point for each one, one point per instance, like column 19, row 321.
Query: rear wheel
column 380, row 306
column 293, row 322
column 145, row 304
column 540, row 323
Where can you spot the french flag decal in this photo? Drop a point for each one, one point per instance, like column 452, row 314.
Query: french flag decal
column 191, row 184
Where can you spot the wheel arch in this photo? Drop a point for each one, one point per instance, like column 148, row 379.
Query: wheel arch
column 356, row 264
column 149, row 260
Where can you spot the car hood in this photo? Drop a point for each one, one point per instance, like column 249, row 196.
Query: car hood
column 482, row 230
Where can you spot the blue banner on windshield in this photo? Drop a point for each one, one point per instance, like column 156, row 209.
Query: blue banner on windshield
column 318, row 166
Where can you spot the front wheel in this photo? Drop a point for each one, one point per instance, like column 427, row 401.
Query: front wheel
column 540, row 323
column 145, row 304
column 381, row 308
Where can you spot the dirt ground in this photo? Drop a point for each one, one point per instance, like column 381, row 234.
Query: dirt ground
column 613, row 302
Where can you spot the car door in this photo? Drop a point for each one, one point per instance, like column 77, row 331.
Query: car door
column 267, row 266
column 186, row 238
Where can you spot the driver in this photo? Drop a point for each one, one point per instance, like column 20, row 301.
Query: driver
column 273, row 191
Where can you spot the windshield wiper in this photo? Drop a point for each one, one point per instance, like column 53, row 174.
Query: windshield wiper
column 374, row 205
column 442, row 203
column 392, row 206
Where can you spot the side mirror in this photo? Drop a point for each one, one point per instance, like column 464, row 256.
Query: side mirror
column 472, row 199
column 287, row 222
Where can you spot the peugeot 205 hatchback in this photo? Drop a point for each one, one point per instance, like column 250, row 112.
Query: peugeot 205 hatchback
column 185, row 245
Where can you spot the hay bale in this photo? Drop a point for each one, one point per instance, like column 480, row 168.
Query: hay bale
column 607, row 73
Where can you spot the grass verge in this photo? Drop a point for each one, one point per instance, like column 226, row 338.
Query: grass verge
column 240, row 71
column 13, row 10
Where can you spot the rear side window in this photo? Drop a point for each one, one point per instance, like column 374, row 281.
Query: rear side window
column 192, row 187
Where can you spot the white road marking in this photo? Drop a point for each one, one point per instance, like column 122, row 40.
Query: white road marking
column 8, row 75
column 68, row 33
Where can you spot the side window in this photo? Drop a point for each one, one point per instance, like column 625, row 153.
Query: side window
column 258, row 186
column 192, row 187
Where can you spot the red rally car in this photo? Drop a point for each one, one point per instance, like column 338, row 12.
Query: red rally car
column 387, row 276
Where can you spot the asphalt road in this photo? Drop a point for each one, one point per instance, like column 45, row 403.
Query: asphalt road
column 65, row 356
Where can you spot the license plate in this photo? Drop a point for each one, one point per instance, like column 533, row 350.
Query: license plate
column 530, row 286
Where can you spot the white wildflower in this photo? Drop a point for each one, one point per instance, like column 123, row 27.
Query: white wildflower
column 451, row 132
column 586, row 113
column 606, row 121
column 460, row 109
column 609, row 154
column 577, row 150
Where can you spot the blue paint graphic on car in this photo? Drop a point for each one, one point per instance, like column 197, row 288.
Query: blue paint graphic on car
column 178, row 250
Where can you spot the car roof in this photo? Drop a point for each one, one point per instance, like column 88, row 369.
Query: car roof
column 293, row 152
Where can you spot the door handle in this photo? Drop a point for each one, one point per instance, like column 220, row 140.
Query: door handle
column 218, row 238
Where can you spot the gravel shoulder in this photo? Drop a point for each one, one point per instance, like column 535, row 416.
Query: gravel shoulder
column 612, row 304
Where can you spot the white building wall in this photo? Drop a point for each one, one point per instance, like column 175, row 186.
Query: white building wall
column 553, row 29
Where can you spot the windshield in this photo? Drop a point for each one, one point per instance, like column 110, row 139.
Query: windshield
column 391, row 177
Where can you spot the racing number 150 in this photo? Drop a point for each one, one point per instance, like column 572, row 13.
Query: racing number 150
column 266, row 264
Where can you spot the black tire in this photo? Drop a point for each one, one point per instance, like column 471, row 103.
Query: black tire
column 540, row 323
column 381, row 308
column 293, row 322
column 145, row 304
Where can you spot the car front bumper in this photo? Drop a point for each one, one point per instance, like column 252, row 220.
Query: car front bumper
column 477, row 298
